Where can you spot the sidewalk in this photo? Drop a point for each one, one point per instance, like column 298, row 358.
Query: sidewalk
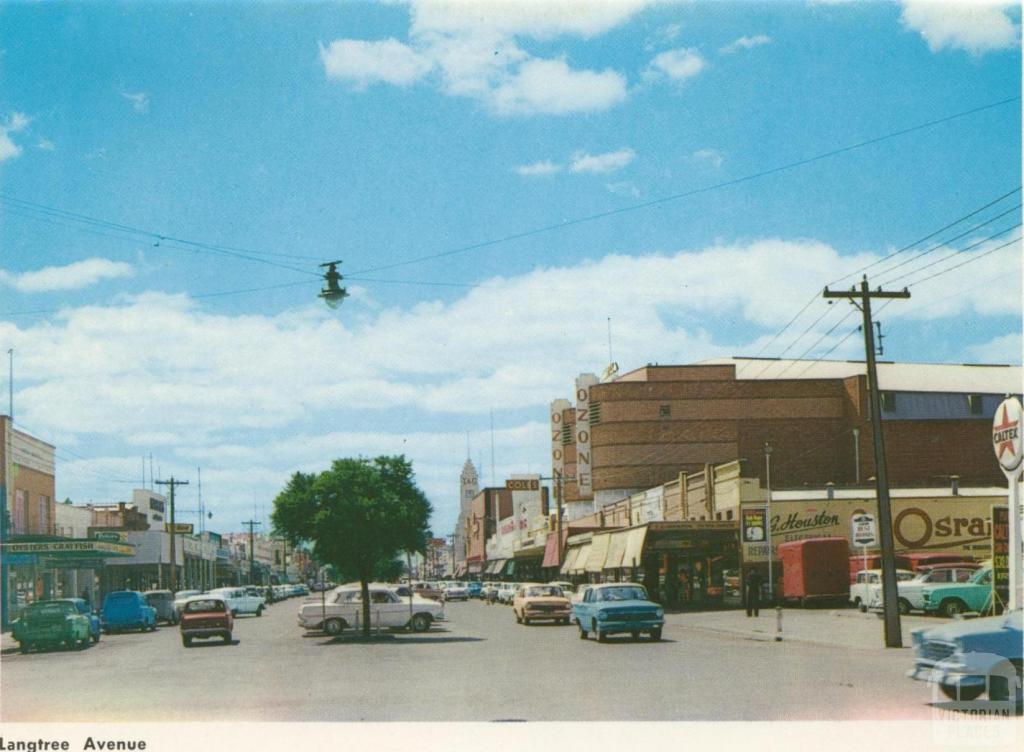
column 7, row 643
column 836, row 627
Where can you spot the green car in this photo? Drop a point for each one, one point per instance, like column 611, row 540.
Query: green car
column 51, row 623
column 952, row 598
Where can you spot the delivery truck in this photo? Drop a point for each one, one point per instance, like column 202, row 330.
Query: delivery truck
column 815, row 570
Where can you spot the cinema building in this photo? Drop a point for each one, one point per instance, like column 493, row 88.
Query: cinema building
column 674, row 454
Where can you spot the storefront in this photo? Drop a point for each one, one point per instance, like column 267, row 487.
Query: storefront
column 528, row 563
column 40, row 567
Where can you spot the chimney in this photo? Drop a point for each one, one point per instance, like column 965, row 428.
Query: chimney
column 954, row 484
column 830, row 490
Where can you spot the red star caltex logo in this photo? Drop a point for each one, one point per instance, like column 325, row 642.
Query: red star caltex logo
column 1003, row 435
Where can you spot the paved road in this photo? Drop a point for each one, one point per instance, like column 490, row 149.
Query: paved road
column 480, row 666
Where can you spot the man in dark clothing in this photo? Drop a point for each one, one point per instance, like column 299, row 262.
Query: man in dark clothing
column 752, row 592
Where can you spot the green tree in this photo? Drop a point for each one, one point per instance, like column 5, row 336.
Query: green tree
column 359, row 515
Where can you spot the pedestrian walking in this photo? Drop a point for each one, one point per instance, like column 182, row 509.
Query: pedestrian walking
column 752, row 592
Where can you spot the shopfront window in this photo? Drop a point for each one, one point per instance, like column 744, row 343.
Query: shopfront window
column 44, row 514
column 20, row 513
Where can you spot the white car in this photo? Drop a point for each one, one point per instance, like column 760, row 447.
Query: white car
column 866, row 590
column 912, row 591
column 241, row 600
column 179, row 600
column 343, row 609
column 456, row 591
column 506, row 591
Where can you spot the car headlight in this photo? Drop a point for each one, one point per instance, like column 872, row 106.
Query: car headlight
column 659, row 613
column 602, row 614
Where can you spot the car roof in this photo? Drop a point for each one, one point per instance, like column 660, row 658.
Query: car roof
column 205, row 597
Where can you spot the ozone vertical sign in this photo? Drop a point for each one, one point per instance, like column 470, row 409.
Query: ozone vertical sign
column 558, row 408
column 584, row 458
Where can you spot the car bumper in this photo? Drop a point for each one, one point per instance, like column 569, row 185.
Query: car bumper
column 541, row 615
column 640, row 625
column 205, row 632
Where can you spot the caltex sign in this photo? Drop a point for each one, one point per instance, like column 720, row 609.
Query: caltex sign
column 1006, row 436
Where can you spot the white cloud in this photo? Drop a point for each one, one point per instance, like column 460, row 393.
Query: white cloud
column 1006, row 349
column 46, row 144
column 364, row 63
column 678, row 65
column 711, row 157
column 139, row 100
column 472, row 49
column 745, row 43
column 71, row 277
column 602, row 163
column 545, row 167
column 16, row 121
column 977, row 27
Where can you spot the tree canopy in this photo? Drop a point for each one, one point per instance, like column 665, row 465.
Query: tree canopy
column 359, row 515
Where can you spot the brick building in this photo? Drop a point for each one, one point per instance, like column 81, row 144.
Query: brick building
column 28, row 480
column 653, row 423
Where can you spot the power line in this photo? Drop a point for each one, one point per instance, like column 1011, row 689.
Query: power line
column 955, row 253
column 693, row 192
column 964, row 263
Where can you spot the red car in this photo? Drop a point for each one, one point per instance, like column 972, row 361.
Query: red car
column 206, row 616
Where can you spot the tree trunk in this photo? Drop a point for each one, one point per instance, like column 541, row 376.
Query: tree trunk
column 365, row 588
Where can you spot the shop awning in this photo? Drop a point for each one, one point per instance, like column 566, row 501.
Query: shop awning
column 578, row 565
column 509, row 568
column 551, row 549
column 475, row 567
column 495, row 566
column 571, row 554
column 633, row 555
column 459, row 570
column 616, row 549
column 598, row 552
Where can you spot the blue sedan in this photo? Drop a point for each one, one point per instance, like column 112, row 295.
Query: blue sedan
column 618, row 608
column 82, row 607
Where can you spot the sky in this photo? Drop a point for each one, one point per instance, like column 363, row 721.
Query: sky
column 518, row 192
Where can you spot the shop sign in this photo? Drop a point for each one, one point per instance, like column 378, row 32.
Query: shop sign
column 113, row 536
column 863, row 530
column 1001, row 553
column 183, row 528
column 523, row 484
column 1006, row 435
column 754, row 529
column 557, row 453
column 61, row 547
column 584, row 458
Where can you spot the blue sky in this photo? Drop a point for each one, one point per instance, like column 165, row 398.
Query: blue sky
column 382, row 133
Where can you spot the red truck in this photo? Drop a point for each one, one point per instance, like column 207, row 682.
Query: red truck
column 815, row 569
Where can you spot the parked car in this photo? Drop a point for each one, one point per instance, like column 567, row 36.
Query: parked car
column 615, row 608
column 566, row 587
column 241, row 600
column 489, row 592
column 343, row 609
column 541, row 603
column 866, row 591
column 970, row 657
column 456, row 591
column 475, row 589
column 127, row 609
column 206, row 616
column 920, row 560
column 49, row 624
column 163, row 602
column 180, row 597
column 952, row 598
column 300, row 589
column 505, row 592
column 911, row 592
column 428, row 590
column 82, row 606
column 578, row 594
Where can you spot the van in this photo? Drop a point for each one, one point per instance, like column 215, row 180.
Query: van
column 127, row 609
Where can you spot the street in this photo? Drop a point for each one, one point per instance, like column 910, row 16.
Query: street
column 480, row 666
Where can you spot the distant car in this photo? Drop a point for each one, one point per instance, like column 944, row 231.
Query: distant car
column 343, row 609
column 180, row 597
column 206, row 616
column 615, row 608
column 541, row 603
column 866, row 590
column 954, row 598
column 911, row 592
column 163, row 602
column 428, row 590
column 300, row 589
column 127, row 609
column 476, row 589
column 578, row 595
column 241, row 600
column 566, row 587
column 456, row 591
column 970, row 657
column 82, row 607
column 50, row 624
column 489, row 592
column 505, row 592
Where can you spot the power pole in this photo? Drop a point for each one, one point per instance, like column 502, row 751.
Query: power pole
column 890, row 597
column 252, row 543
column 172, row 484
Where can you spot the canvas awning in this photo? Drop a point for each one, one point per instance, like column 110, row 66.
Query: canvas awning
column 569, row 559
column 616, row 549
column 493, row 567
column 551, row 549
column 633, row 555
column 475, row 567
column 578, row 563
column 598, row 552
column 460, row 570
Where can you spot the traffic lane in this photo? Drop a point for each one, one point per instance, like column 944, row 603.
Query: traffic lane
column 480, row 665
column 115, row 679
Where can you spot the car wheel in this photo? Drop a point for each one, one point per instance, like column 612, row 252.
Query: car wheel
column 965, row 694
column 952, row 607
column 234, row 612
column 601, row 636
column 656, row 634
column 24, row 647
column 860, row 605
column 95, row 638
column 583, row 632
column 82, row 644
column 421, row 622
column 227, row 638
column 904, row 606
column 519, row 619
column 635, row 636
column 152, row 627
column 186, row 641
column 526, row 620
column 259, row 611
column 334, row 627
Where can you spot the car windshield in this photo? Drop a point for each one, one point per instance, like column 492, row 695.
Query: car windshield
column 121, row 598
column 48, row 609
column 904, row 576
column 205, row 604
column 981, row 576
column 543, row 590
column 622, row 594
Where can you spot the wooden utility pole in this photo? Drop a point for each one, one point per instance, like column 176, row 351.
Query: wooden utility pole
column 890, row 596
column 252, row 543
column 172, row 484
